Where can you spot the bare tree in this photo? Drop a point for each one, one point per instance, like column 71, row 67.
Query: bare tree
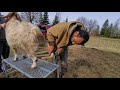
column 116, row 28
column 83, row 20
column 33, row 17
column 58, row 14
column 92, row 25
column 89, row 24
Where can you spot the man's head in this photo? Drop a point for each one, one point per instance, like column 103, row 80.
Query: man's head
column 80, row 37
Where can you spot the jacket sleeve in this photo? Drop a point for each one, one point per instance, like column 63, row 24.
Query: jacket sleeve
column 51, row 39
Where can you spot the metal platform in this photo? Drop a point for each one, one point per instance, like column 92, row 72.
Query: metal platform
column 43, row 70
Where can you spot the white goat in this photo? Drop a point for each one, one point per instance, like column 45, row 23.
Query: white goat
column 23, row 35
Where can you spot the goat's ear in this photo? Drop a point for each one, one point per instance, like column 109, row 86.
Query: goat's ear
column 18, row 17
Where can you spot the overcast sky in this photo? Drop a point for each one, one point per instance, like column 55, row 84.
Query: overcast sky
column 99, row 16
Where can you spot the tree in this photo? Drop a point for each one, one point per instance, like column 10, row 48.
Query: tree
column 84, row 21
column 95, row 32
column 56, row 19
column 105, row 27
column 117, row 25
column 92, row 25
column 89, row 24
column 110, row 31
column 66, row 19
column 116, row 29
column 41, row 17
column 45, row 18
column 33, row 17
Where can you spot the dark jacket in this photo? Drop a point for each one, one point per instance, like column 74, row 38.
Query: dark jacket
column 2, row 31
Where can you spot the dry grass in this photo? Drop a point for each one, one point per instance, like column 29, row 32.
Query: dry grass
column 100, row 59
column 105, row 44
column 92, row 63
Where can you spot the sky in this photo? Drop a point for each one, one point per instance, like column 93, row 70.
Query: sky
column 72, row 16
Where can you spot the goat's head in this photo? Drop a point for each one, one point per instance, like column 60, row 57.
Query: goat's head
column 10, row 15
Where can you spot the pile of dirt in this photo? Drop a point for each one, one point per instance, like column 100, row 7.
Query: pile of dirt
column 92, row 63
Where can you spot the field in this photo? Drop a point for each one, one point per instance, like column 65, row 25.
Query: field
column 105, row 44
column 100, row 58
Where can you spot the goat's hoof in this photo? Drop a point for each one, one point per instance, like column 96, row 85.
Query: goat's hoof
column 24, row 56
column 33, row 67
column 15, row 59
column 36, row 60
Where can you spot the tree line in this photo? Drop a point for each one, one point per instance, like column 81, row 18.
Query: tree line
column 110, row 30
column 39, row 17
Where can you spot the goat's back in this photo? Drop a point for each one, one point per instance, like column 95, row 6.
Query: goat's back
column 24, row 34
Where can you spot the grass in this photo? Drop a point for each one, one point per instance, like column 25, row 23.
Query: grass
column 105, row 44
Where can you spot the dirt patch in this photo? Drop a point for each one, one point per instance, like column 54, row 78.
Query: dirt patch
column 92, row 63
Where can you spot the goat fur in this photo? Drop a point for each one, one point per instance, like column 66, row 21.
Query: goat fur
column 23, row 35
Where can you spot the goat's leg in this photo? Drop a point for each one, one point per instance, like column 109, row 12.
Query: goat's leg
column 24, row 56
column 34, row 64
column 15, row 54
column 28, row 55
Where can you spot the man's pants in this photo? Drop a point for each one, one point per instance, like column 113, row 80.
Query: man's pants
column 64, row 58
column 4, row 51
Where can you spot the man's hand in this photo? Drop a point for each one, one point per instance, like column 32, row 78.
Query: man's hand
column 50, row 49
column 59, row 50
column 52, row 55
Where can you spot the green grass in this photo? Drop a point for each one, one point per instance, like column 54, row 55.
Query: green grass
column 106, row 44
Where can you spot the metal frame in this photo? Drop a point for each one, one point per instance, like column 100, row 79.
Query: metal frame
column 43, row 70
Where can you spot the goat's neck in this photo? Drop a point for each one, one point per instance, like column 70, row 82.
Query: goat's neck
column 12, row 22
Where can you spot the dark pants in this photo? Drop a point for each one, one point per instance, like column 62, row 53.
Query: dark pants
column 4, row 51
column 64, row 59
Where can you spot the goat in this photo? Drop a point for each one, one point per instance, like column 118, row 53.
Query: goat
column 23, row 35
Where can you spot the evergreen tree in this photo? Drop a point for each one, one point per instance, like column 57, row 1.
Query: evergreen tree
column 45, row 19
column 111, row 30
column 56, row 19
column 105, row 27
column 41, row 17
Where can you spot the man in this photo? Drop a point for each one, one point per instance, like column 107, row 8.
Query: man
column 62, row 35
column 4, row 48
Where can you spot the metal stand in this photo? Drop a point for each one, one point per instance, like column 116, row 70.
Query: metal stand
column 43, row 70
